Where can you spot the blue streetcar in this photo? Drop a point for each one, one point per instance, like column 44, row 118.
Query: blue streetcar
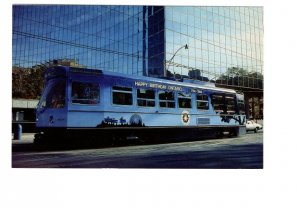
column 89, row 102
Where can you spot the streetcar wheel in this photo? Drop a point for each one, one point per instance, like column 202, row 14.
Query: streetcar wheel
column 219, row 134
column 233, row 133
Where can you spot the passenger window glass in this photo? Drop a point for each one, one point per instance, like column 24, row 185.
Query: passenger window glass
column 230, row 103
column 85, row 93
column 241, row 107
column 122, row 95
column 184, row 100
column 202, row 102
column 218, row 103
column 145, row 97
column 241, row 104
column 166, row 99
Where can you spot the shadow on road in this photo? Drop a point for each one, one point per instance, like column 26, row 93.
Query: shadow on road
column 85, row 143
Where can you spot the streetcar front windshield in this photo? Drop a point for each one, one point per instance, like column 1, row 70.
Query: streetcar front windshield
column 54, row 94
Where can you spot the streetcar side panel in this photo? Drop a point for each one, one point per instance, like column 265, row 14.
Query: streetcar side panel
column 86, row 100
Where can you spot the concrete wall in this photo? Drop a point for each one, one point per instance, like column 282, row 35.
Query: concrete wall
column 24, row 103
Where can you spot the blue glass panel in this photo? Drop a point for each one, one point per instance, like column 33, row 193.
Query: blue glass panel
column 107, row 36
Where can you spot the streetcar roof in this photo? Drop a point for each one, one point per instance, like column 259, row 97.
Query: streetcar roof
column 185, row 83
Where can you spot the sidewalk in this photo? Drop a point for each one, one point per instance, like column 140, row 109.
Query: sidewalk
column 26, row 138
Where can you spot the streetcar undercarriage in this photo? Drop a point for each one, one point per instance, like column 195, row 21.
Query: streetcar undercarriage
column 147, row 134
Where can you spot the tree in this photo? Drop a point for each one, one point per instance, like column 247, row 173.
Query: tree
column 28, row 83
column 240, row 77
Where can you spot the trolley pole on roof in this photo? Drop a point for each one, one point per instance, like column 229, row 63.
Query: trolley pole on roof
column 167, row 67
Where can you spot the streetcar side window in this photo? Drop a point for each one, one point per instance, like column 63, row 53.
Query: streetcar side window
column 145, row 98
column 230, row 103
column 122, row 95
column 184, row 100
column 202, row 102
column 218, row 103
column 166, row 99
column 85, row 93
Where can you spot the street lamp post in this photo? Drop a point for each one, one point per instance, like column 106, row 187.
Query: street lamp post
column 166, row 68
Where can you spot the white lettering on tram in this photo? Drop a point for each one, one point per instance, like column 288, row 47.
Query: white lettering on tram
column 175, row 88
column 141, row 84
column 158, row 86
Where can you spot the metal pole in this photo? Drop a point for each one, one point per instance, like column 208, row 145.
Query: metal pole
column 186, row 47
column 18, row 132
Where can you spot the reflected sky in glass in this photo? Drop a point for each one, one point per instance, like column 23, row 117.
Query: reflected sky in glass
column 218, row 38
column 139, row 39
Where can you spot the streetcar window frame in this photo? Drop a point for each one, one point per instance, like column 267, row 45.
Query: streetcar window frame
column 166, row 101
column 200, row 99
column 146, row 99
column 84, row 100
column 124, row 93
column 184, row 100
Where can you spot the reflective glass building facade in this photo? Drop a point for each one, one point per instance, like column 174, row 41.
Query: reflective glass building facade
column 223, row 44
column 219, row 38
column 104, row 37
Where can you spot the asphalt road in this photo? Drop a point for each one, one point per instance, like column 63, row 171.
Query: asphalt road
column 230, row 153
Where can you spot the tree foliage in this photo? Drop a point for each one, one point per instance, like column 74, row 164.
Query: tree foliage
column 27, row 83
column 240, row 77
